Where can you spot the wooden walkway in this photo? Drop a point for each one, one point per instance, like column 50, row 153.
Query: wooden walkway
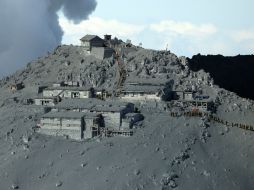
column 122, row 75
column 106, row 132
column 212, row 118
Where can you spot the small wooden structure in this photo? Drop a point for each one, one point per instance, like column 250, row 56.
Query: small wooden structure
column 198, row 105
column 107, row 132
column 183, row 95
column 17, row 86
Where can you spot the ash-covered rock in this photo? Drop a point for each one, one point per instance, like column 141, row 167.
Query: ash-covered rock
column 168, row 179
column 161, row 143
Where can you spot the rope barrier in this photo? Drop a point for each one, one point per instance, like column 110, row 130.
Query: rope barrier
column 213, row 118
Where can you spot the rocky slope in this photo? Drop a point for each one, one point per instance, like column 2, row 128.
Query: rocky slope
column 238, row 72
column 164, row 153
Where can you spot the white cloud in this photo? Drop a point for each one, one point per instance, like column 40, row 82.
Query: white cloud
column 182, row 38
column 243, row 35
column 184, row 29
column 185, row 38
column 73, row 32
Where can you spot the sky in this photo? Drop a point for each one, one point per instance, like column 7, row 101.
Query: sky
column 185, row 27
column 32, row 28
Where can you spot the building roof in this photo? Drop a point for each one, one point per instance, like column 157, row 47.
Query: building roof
column 89, row 37
column 75, row 88
column 69, row 115
column 78, row 103
column 150, row 81
column 143, row 88
column 132, row 115
column 108, row 108
column 92, row 104
column 58, row 82
column 145, row 83
column 41, row 97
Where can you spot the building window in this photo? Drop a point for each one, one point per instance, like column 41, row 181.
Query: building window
column 75, row 94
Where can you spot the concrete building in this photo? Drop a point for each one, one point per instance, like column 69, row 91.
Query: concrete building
column 90, row 41
column 102, row 52
column 98, row 47
column 144, row 92
column 47, row 101
column 73, row 125
column 112, row 111
column 69, row 92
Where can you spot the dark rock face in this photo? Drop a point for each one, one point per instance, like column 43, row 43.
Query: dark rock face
column 232, row 73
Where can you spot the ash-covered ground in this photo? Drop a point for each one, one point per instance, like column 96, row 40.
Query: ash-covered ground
column 164, row 152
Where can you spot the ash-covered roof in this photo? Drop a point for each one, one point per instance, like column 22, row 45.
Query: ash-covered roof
column 138, row 88
column 75, row 88
column 89, row 37
column 92, row 104
column 79, row 103
column 108, row 108
column 41, row 97
column 148, row 81
column 69, row 115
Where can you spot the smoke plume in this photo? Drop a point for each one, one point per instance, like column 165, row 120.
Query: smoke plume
column 30, row 28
